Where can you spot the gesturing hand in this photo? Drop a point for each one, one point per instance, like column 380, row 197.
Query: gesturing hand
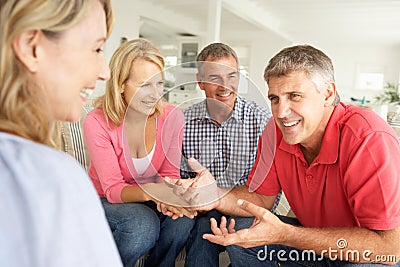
column 199, row 191
column 266, row 229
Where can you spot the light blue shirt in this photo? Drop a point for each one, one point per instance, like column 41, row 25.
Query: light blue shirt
column 50, row 212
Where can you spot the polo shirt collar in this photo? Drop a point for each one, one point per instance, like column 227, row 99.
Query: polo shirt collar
column 330, row 144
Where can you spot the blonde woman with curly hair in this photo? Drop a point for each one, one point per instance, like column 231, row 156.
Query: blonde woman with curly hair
column 51, row 54
column 134, row 138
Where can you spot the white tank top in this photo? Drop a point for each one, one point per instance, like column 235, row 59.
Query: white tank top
column 141, row 164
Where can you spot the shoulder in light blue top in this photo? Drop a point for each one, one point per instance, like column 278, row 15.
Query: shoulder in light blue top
column 51, row 214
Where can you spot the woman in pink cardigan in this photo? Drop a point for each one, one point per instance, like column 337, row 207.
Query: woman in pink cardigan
column 134, row 138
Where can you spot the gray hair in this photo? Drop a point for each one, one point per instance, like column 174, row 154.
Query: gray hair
column 316, row 64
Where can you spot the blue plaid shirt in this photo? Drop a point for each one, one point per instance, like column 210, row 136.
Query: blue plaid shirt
column 227, row 150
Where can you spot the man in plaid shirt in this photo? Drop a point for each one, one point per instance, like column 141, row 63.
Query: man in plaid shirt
column 222, row 133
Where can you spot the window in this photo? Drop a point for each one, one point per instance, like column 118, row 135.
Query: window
column 370, row 78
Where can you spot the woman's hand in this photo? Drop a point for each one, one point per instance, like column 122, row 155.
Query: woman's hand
column 199, row 191
column 175, row 212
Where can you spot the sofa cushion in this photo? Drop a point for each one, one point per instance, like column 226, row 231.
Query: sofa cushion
column 73, row 143
column 70, row 139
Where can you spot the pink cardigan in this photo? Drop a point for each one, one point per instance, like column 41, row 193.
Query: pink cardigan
column 111, row 167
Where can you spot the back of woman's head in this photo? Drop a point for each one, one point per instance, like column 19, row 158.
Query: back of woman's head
column 113, row 102
column 23, row 105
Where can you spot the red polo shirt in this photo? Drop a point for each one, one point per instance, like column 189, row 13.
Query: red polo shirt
column 354, row 181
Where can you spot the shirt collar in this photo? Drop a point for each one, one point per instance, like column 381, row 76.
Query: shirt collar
column 237, row 114
column 238, row 110
column 330, row 144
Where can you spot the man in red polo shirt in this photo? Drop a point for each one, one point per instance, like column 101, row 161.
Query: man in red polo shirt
column 338, row 165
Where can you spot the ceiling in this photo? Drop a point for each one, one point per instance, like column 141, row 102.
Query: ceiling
column 374, row 22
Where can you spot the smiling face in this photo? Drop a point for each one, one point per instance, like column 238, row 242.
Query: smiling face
column 70, row 65
column 300, row 109
column 220, row 80
column 144, row 87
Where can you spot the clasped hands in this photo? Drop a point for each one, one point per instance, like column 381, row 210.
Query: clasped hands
column 200, row 193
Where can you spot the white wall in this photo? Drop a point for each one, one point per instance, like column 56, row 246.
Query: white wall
column 126, row 24
column 347, row 59
column 263, row 45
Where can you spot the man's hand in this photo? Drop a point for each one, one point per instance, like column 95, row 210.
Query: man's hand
column 266, row 229
column 201, row 192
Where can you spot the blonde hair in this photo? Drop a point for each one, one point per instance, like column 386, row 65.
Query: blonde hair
column 112, row 102
column 23, row 107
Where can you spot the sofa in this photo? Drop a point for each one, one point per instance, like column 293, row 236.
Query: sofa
column 70, row 139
